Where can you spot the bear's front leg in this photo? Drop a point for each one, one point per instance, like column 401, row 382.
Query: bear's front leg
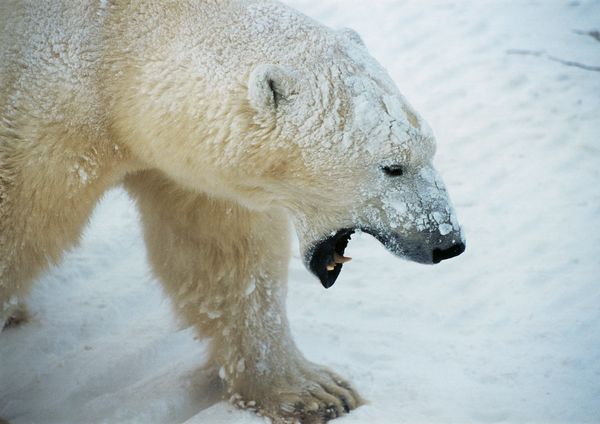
column 264, row 371
column 225, row 269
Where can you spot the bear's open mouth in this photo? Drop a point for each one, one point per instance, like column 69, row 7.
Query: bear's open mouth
column 327, row 256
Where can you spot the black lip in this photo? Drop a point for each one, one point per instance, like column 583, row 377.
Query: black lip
column 322, row 254
column 401, row 246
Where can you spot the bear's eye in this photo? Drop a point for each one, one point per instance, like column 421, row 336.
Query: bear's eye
column 393, row 170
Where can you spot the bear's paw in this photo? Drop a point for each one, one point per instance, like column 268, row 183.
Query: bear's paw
column 310, row 394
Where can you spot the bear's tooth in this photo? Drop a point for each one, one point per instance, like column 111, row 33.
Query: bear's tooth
column 339, row 259
column 330, row 267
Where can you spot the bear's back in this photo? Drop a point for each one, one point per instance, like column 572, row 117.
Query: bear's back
column 48, row 61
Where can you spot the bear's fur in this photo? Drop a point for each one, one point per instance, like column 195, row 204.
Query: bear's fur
column 226, row 121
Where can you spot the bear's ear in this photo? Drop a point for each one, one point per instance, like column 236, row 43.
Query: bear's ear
column 353, row 35
column 269, row 85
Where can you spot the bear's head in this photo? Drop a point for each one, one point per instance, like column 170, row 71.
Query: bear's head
column 348, row 153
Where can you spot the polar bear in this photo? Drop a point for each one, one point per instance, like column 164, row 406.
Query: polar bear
column 229, row 122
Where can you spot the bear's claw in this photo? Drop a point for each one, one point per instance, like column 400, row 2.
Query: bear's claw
column 19, row 315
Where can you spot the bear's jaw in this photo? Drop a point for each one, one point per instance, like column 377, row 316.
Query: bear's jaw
column 326, row 258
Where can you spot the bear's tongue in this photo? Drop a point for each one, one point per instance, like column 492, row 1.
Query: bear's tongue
column 337, row 259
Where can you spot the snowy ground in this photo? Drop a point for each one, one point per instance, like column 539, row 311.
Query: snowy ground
column 508, row 332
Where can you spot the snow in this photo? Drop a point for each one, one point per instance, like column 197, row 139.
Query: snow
column 507, row 332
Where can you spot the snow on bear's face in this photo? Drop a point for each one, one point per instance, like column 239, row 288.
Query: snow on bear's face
column 362, row 160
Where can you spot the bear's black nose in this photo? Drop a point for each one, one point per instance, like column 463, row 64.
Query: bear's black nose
column 442, row 254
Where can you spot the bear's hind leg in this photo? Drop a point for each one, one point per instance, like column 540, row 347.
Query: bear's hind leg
column 225, row 269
